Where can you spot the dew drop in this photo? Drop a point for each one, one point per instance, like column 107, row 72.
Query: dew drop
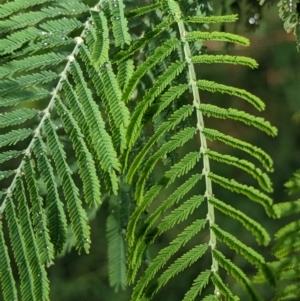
column 252, row 20
column 104, row 66
column 117, row 18
column 291, row 5
column 49, row 264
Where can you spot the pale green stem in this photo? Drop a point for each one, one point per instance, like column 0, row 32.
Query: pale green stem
column 203, row 141
column 46, row 112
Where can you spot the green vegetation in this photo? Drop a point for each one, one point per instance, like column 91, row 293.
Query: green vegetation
column 133, row 132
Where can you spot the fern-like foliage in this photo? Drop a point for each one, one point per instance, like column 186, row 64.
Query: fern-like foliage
column 178, row 77
column 289, row 11
column 80, row 92
column 287, row 247
column 47, row 61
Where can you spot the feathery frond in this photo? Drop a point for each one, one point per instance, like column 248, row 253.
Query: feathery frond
column 94, row 101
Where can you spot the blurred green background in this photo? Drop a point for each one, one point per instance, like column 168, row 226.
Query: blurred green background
column 277, row 82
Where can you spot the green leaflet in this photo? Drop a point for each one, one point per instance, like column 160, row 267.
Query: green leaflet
column 28, row 289
column 102, row 77
column 212, row 19
column 286, row 208
column 19, row 38
column 178, row 194
column 288, row 230
column 289, row 292
column 23, row 20
column 158, row 30
column 8, row 86
column 284, row 246
column 165, row 254
column 119, row 23
column 11, row 7
column 40, row 281
column 262, row 178
column 143, row 10
column 260, row 123
column 116, row 247
column 119, row 111
column 5, row 156
column 170, row 95
column 180, row 213
column 17, row 117
column 57, row 221
column 6, row 174
column 256, row 152
column 125, row 71
column 293, row 184
column 160, row 84
column 238, row 274
column 138, row 245
column 218, row 36
column 222, row 288
column 224, row 59
column 160, row 53
column 100, row 50
column 101, row 140
column 199, row 284
column 39, row 218
column 176, row 141
column 215, row 87
column 248, row 191
column 7, row 280
column 86, row 164
column 170, row 201
column 250, row 254
column 254, row 227
column 180, row 168
column 14, row 136
column 181, row 264
column 29, row 63
column 76, row 212
column 22, row 97
column 170, row 124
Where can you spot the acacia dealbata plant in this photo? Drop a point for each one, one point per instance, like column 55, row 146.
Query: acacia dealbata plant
column 99, row 104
